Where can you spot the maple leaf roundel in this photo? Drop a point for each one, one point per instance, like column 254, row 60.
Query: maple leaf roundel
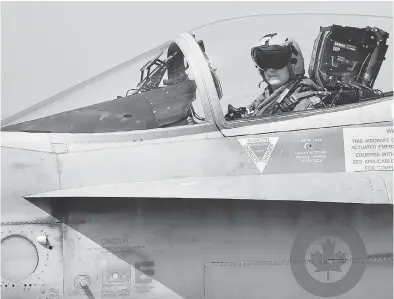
column 330, row 259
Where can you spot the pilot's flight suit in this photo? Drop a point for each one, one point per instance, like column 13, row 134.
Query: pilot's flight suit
column 297, row 95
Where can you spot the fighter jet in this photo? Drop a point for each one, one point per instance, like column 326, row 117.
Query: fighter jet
column 134, row 184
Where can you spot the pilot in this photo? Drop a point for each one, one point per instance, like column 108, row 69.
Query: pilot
column 281, row 64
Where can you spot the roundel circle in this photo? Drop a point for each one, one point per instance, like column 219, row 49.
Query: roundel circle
column 331, row 259
column 19, row 258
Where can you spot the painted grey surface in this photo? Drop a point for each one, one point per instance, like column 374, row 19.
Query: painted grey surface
column 194, row 245
column 25, row 171
column 359, row 188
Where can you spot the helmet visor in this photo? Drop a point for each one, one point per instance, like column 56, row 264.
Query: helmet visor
column 271, row 57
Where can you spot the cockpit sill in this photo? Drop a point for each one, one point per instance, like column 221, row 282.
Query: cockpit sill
column 223, row 123
column 141, row 135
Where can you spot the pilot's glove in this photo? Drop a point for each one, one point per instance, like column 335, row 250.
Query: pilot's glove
column 235, row 113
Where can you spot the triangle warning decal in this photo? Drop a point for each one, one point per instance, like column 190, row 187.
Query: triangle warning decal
column 259, row 149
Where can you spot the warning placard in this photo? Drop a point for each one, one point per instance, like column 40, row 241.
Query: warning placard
column 369, row 148
column 259, row 149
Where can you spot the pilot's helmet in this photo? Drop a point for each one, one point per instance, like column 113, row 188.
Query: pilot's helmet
column 276, row 51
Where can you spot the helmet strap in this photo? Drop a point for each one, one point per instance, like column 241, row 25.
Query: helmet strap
column 262, row 75
column 290, row 69
column 270, row 89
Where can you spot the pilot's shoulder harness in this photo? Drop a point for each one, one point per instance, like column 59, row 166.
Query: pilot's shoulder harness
column 305, row 89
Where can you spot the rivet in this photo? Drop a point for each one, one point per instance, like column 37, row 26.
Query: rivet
column 154, row 112
column 168, row 108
